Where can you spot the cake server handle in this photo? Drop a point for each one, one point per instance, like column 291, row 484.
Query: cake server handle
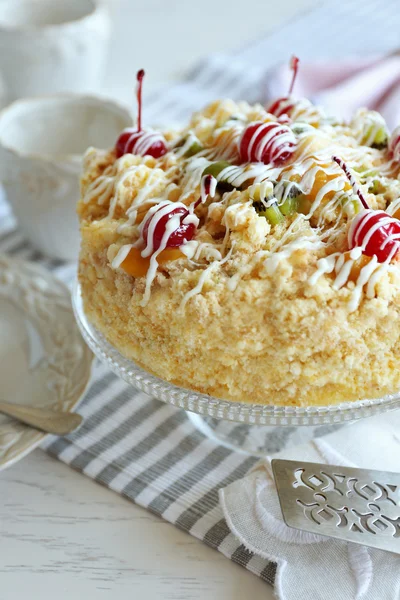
column 45, row 419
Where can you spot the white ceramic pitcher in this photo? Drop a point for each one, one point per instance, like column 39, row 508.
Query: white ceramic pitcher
column 49, row 46
column 42, row 141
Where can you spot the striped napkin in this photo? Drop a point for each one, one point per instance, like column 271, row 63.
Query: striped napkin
column 148, row 451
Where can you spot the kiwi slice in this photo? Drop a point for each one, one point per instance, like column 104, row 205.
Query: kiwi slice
column 381, row 139
column 376, row 187
column 193, row 145
column 215, row 169
column 272, row 213
column 289, row 195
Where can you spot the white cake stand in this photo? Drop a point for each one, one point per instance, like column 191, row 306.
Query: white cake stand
column 253, row 429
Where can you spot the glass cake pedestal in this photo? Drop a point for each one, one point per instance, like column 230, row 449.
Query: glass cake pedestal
column 249, row 428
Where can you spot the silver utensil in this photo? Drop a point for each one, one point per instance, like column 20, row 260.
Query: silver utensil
column 45, row 419
column 355, row 505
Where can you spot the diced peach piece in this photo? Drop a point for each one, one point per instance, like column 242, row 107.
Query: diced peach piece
column 396, row 214
column 134, row 264
column 358, row 264
column 137, row 266
column 321, row 179
column 169, row 254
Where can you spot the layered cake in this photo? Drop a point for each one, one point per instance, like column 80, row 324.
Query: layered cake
column 252, row 255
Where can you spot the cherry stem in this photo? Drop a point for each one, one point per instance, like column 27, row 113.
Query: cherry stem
column 139, row 77
column 294, row 65
column 353, row 182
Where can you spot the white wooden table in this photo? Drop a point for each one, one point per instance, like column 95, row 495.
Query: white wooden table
column 62, row 535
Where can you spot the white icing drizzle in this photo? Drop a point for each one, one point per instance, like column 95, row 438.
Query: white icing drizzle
column 324, row 265
column 100, row 189
column 282, row 190
column 121, row 255
column 367, row 279
column 203, row 278
column 190, row 248
column 336, row 185
column 364, row 278
column 199, row 286
column 302, row 243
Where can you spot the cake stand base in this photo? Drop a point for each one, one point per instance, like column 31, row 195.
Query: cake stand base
column 256, row 440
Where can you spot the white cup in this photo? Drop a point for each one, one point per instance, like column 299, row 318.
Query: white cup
column 49, row 46
column 42, row 141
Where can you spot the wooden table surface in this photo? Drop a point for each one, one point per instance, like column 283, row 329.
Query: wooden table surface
column 62, row 535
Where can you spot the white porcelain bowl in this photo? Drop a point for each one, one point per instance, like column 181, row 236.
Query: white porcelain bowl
column 49, row 46
column 42, row 141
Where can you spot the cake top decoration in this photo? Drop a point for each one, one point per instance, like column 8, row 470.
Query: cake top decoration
column 239, row 190
column 138, row 141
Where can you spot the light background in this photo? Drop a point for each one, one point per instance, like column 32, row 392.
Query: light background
column 168, row 37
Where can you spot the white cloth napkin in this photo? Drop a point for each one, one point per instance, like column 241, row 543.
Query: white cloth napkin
column 313, row 567
column 343, row 86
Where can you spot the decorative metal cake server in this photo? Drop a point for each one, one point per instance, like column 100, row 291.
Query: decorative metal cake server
column 48, row 420
column 355, row 505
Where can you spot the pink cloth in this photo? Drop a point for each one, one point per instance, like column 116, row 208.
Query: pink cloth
column 342, row 87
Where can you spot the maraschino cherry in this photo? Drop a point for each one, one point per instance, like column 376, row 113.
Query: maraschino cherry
column 139, row 141
column 172, row 224
column 374, row 231
column 285, row 105
column 270, row 143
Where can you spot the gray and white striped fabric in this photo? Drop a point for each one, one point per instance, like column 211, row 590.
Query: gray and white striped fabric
column 148, row 451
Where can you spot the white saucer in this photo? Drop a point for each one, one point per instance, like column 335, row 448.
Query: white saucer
column 43, row 358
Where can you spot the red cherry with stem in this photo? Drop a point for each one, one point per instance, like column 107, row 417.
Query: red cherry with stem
column 294, row 65
column 139, row 77
column 271, row 143
column 157, row 231
column 286, row 104
column 138, row 141
column 377, row 233
column 374, row 231
column 155, row 227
